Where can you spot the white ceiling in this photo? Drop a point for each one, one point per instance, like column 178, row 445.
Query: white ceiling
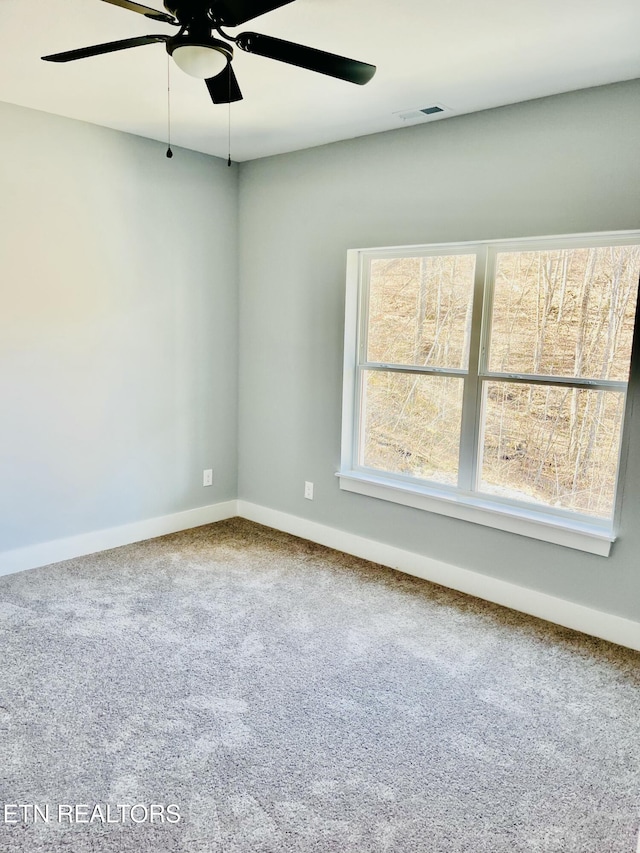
column 465, row 54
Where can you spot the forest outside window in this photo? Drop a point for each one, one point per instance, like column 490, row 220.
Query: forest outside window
column 488, row 381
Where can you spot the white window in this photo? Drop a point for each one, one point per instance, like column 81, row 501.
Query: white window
column 488, row 381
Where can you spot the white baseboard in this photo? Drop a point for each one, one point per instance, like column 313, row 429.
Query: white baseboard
column 616, row 629
column 101, row 540
column 607, row 626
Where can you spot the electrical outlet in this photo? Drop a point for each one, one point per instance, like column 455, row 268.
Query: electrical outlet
column 207, row 477
column 308, row 490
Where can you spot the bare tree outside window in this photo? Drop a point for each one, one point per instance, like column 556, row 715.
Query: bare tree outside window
column 564, row 313
column 419, row 315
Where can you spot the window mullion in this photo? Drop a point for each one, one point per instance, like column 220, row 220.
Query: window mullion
column 557, row 381
column 418, row 369
column 471, row 396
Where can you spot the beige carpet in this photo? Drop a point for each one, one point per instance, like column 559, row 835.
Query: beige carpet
column 285, row 697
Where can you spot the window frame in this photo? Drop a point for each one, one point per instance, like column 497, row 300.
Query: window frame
column 557, row 525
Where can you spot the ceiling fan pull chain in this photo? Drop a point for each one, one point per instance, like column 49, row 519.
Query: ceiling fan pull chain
column 169, row 151
column 229, row 128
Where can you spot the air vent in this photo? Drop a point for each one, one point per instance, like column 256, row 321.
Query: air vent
column 423, row 113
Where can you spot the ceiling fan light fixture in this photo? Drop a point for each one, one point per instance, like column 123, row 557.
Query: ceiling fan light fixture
column 203, row 60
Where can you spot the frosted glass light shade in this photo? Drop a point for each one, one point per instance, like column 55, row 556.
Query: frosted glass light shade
column 199, row 60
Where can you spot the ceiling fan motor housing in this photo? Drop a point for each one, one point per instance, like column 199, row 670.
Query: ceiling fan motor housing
column 191, row 10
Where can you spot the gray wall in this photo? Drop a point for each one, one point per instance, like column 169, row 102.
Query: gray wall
column 118, row 320
column 559, row 165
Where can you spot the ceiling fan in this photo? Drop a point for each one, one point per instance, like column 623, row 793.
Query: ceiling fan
column 198, row 52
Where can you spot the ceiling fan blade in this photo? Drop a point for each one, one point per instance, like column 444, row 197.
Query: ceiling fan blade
column 232, row 13
column 97, row 49
column 307, row 57
column 144, row 10
column 224, row 88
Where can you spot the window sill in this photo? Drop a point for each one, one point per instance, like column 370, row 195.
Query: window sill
column 595, row 539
